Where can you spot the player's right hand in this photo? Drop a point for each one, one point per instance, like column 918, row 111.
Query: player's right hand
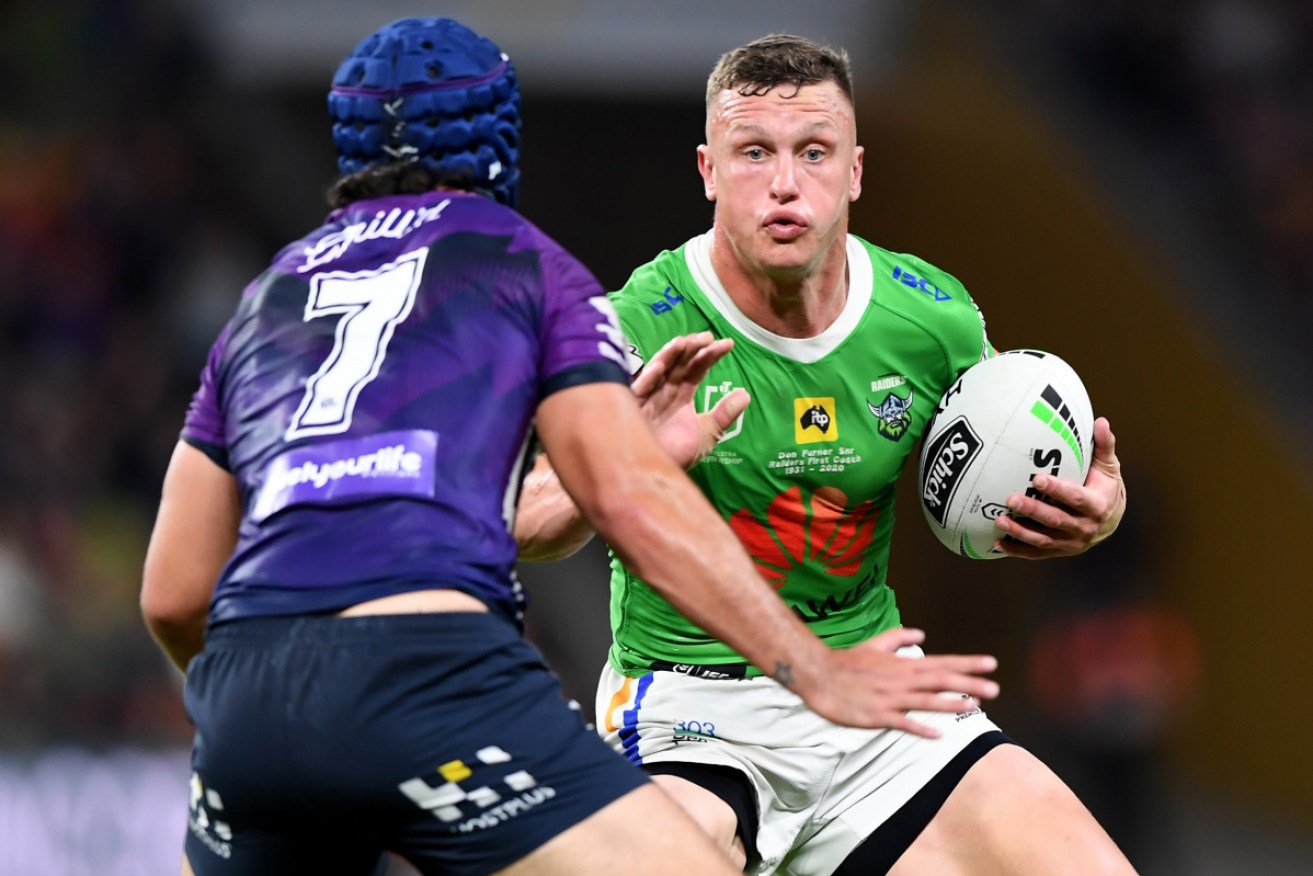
column 666, row 386
column 869, row 685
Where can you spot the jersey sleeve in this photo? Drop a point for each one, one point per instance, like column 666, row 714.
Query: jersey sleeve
column 967, row 340
column 203, row 426
column 581, row 337
column 647, row 294
column 961, row 326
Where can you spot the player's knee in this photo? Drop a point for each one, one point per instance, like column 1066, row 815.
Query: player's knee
column 1026, row 775
column 1045, row 803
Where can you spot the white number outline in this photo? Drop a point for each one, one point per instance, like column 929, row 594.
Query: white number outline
column 372, row 304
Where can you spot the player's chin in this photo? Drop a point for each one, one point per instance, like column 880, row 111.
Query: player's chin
column 787, row 261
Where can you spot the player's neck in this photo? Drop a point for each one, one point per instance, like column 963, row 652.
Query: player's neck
column 791, row 306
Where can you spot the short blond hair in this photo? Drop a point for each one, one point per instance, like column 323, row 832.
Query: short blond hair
column 780, row 59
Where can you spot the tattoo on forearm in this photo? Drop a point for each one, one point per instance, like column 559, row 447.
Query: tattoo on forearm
column 783, row 674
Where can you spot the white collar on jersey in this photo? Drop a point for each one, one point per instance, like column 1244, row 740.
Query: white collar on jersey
column 697, row 253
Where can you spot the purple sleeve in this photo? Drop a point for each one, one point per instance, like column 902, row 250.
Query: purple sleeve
column 204, row 422
column 581, row 337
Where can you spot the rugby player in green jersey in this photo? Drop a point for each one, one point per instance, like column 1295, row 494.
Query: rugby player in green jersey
column 844, row 349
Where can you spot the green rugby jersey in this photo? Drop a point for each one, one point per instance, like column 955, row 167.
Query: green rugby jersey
column 806, row 476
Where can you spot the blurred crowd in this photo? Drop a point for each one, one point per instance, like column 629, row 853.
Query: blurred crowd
column 1219, row 94
column 117, row 265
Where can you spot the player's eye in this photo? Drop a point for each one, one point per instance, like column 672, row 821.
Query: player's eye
column 754, row 153
column 814, row 154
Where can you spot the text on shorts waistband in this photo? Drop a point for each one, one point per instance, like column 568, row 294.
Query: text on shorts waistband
column 717, row 671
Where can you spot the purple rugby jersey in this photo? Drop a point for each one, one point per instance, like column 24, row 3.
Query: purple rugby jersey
column 373, row 395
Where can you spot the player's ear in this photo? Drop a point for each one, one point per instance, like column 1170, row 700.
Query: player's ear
column 704, row 168
column 855, row 187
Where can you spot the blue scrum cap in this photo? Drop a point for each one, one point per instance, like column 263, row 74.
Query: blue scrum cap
column 430, row 90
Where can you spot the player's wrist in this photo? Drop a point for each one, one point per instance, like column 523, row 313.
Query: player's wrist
column 802, row 669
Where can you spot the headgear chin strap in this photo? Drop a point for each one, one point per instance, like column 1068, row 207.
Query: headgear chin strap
column 433, row 91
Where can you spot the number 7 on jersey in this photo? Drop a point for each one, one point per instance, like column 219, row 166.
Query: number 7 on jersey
column 371, row 304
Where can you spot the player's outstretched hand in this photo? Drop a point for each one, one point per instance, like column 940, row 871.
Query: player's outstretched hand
column 869, row 685
column 1077, row 516
column 666, row 387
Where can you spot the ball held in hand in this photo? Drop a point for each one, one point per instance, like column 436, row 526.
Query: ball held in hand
column 1004, row 421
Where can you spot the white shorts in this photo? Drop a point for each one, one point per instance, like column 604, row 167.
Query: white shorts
column 820, row 788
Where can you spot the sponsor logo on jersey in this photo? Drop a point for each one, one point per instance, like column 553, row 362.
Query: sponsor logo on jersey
column 388, row 464
column 693, row 731
column 948, row 457
column 797, row 531
column 814, row 420
column 921, row 284
column 893, row 415
column 670, row 299
column 499, row 795
column 709, row 399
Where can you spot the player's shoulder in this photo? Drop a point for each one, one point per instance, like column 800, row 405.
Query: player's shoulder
column 666, row 269
column 921, row 292
column 912, row 283
column 660, row 300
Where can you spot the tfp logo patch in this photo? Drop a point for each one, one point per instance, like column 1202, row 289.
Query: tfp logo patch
column 947, row 458
column 814, row 420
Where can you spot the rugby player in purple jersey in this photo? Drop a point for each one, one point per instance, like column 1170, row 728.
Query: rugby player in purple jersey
column 333, row 565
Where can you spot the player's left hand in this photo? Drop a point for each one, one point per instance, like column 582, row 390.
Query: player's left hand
column 665, row 389
column 1076, row 517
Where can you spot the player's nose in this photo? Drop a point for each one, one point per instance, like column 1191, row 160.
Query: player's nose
column 784, row 182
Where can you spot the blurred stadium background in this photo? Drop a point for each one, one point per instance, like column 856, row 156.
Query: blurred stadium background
column 1129, row 184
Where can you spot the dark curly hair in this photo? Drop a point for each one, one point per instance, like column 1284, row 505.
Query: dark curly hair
column 395, row 178
column 780, row 59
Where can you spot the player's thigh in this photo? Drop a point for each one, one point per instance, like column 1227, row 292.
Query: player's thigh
column 713, row 815
column 1011, row 814
column 643, row 833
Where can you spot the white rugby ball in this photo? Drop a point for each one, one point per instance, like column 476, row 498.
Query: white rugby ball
column 1005, row 420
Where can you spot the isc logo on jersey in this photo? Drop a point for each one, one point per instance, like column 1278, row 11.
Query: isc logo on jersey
column 814, row 420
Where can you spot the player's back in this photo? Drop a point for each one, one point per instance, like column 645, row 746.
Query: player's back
column 373, row 396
